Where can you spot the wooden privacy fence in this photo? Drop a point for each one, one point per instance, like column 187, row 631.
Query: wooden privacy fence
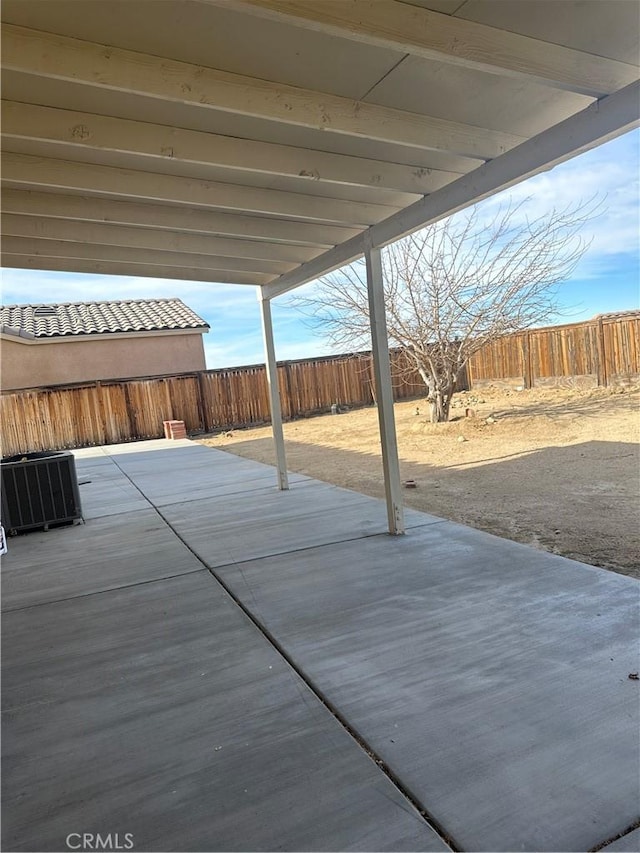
column 119, row 411
column 600, row 352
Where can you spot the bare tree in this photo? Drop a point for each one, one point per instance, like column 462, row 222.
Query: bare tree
column 453, row 287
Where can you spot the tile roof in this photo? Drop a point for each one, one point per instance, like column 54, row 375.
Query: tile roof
column 98, row 318
column 618, row 315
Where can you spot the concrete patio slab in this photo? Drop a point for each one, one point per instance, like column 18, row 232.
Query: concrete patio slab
column 139, row 448
column 105, row 553
column 183, row 489
column 104, row 490
column 629, row 843
column 246, row 526
column 161, row 711
column 490, row 677
column 170, row 474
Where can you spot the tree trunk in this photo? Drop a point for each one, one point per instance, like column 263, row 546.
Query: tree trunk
column 439, row 397
column 440, row 403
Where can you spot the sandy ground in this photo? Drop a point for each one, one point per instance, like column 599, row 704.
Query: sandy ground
column 556, row 469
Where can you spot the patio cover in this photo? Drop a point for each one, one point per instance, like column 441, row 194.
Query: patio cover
column 266, row 142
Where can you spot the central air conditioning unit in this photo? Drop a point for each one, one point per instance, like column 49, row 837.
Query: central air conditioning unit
column 38, row 490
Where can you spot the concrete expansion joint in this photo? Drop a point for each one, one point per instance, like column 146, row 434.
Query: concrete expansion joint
column 627, row 831
column 271, row 639
column 102, row 591
column 310, row 547
column 194, row 500
column 353, row 733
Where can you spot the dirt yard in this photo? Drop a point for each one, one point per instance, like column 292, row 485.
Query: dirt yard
column 556, row 469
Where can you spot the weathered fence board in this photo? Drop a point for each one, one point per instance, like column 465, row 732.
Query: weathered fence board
column 600, row 352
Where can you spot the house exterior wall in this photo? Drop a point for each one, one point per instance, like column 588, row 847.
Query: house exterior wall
column 33, row 365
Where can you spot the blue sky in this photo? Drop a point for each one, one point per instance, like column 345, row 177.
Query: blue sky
column 607, row 278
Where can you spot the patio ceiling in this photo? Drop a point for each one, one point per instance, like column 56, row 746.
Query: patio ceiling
column 263, row 142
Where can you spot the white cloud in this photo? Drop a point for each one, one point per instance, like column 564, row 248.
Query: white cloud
column 609, row 174
column 309, row 348
column 232, row 353
column 40, row 286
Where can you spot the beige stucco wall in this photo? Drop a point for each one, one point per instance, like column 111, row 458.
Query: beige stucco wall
column 32, row 365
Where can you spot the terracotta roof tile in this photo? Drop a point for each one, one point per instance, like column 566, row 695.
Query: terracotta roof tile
column 96, row 318
column 618, row 315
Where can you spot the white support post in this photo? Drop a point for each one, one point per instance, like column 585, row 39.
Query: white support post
column 274, row 391
column 384, row 390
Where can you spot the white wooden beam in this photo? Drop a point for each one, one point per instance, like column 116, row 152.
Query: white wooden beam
column 159, row 143
column 300, row 239
column 602, row 121
column 123, row 254
column 433, row 35
column 27, row 171
column 384, row 391
column 274, row 392
column 148, row 239
column 77, row 265
column 59, row 57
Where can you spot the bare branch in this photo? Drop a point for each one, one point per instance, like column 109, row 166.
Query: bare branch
column 455, row 287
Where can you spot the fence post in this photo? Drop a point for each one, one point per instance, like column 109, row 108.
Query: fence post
column 371, row 380
column 526, row 354
column 130, row 413
column 202, row 410
column 468, row 375
column 102, row 412
column 290, row 411
column 462, row 379
column 602, row 358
